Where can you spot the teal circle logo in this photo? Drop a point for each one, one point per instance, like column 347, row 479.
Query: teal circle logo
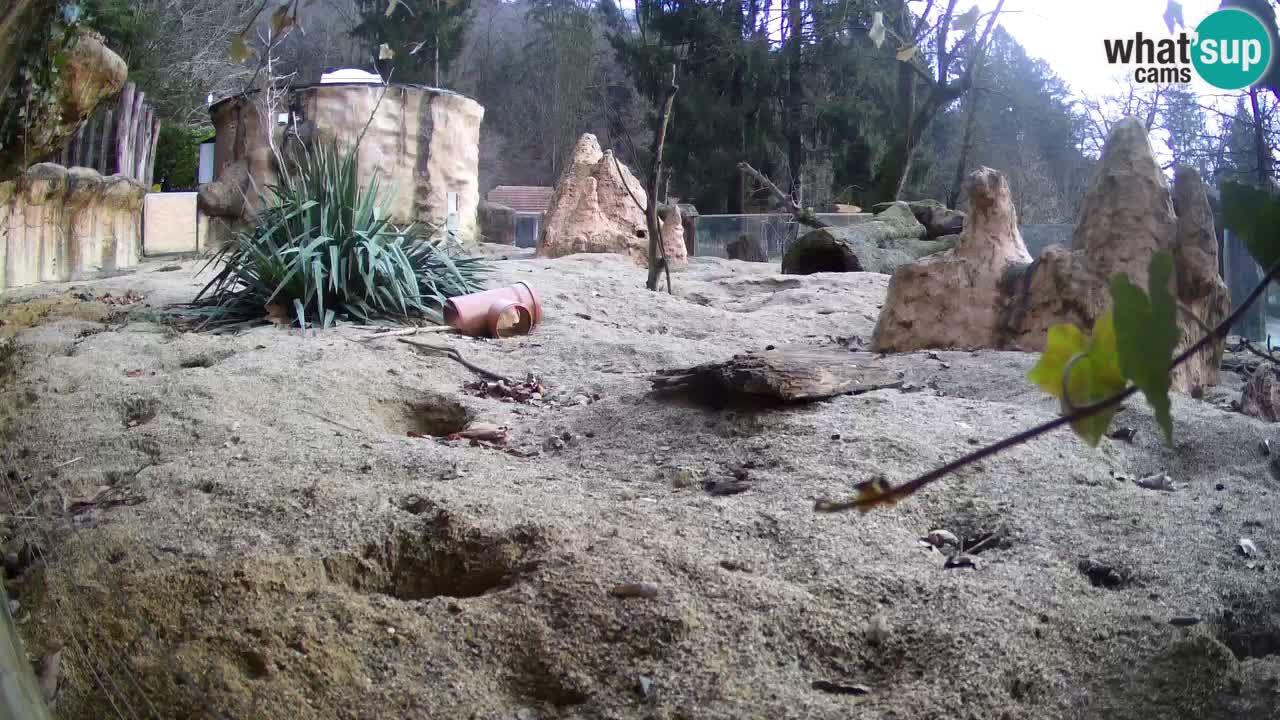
column 1233, row 50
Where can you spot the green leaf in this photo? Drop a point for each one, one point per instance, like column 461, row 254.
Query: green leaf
column 1147, row 333
column 968, row 21
column 1081, row 371
column 1254, row 215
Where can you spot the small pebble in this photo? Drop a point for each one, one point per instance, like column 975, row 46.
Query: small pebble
column 647, row 591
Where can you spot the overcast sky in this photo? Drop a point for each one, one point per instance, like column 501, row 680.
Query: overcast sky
column 1068, row 34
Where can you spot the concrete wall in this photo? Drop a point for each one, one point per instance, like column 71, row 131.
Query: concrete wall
column 59, row 224
column 170, row 223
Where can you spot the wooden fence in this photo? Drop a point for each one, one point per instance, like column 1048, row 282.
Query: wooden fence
column 119, row 138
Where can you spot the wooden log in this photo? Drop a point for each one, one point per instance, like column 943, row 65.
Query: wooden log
column 104, row 148
column 151, row 151
column 90, row 140
column 134, row 132
column 144, row 145
column 78, row 145
column 124, row 121
column 783, row 375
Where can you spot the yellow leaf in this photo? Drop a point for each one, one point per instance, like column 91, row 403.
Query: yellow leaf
column 391, row 7
column 906, row 53
column 240, row 50
column 385, row 52
column 281, row 20
column 1081, row 371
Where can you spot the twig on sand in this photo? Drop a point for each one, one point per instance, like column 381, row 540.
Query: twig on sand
column 453, row 354
column 377, row 333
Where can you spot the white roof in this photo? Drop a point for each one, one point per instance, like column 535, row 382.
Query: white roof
column 351, row 75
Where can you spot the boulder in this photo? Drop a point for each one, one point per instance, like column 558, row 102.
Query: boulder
column 938, row 219
column 689, row 222
column 877, row 245
column 497, row 223
column 987, row 294
column 598, row 208
column 226, row 197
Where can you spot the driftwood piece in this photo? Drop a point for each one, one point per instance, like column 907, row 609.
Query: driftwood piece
column 784, row 375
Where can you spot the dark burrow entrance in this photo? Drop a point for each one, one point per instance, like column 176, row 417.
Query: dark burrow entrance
column 442, row 561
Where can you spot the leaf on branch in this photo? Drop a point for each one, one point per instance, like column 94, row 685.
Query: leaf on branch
column 1254, row 215
column 877, row 29
column 907, row 53
column 1173, row 15
column 240, row 50
column 873, row 494
column 281, row 20
column 385, row 52
column 1147, row 332
column 968, row 21
column 1086, row 368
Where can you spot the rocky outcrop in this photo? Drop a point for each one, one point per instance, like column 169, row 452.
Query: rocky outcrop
column 420, row 143
column 597, row 208
column 938, row 220
column 89, row 74
column 497, row 223
column 689, row 220
column 986, row 293
column 879, row 245
column 59, row 225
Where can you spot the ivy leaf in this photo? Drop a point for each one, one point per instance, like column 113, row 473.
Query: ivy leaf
column 1173, row 15
column 1147, row 332
column 906, row 53
column 968, row 21
column 240, row 50
column 1080, row 370
column 877, row 29
column 1254, row 215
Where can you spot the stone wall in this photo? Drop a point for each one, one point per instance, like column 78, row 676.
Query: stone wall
column 59, row 224
column 422, row 143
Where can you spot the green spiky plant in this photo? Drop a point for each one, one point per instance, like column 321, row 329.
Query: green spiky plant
column 323, row 247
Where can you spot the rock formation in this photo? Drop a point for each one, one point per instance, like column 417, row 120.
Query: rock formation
column 938, row 220
column 1261, row 395
column 597, row 208
column 90, row 74
column 879, row 245
column 422, row 144
column 986, row 294
column 59, row 224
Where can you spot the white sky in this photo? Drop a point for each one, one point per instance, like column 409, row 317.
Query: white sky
column 1068, row 34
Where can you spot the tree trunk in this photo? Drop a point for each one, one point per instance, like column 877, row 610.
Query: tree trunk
column 966, row 147
column 1261, row 149
column 657, row 252
column 793, row 111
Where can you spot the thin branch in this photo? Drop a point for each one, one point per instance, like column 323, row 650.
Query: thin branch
column 898, row 492
column 802, row 215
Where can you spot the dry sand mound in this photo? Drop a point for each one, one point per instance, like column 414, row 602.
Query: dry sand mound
column 264, row 539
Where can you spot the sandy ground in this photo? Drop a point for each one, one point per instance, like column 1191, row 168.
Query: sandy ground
column 263, row 539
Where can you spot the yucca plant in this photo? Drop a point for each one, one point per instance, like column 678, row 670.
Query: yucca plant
column 323, row 247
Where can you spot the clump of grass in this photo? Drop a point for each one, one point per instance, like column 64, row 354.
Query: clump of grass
column 323, row 247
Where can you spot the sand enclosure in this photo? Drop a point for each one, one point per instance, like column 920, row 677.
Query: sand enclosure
column 243, row 527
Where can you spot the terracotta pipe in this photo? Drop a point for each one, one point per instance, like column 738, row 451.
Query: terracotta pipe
column 470, row 314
